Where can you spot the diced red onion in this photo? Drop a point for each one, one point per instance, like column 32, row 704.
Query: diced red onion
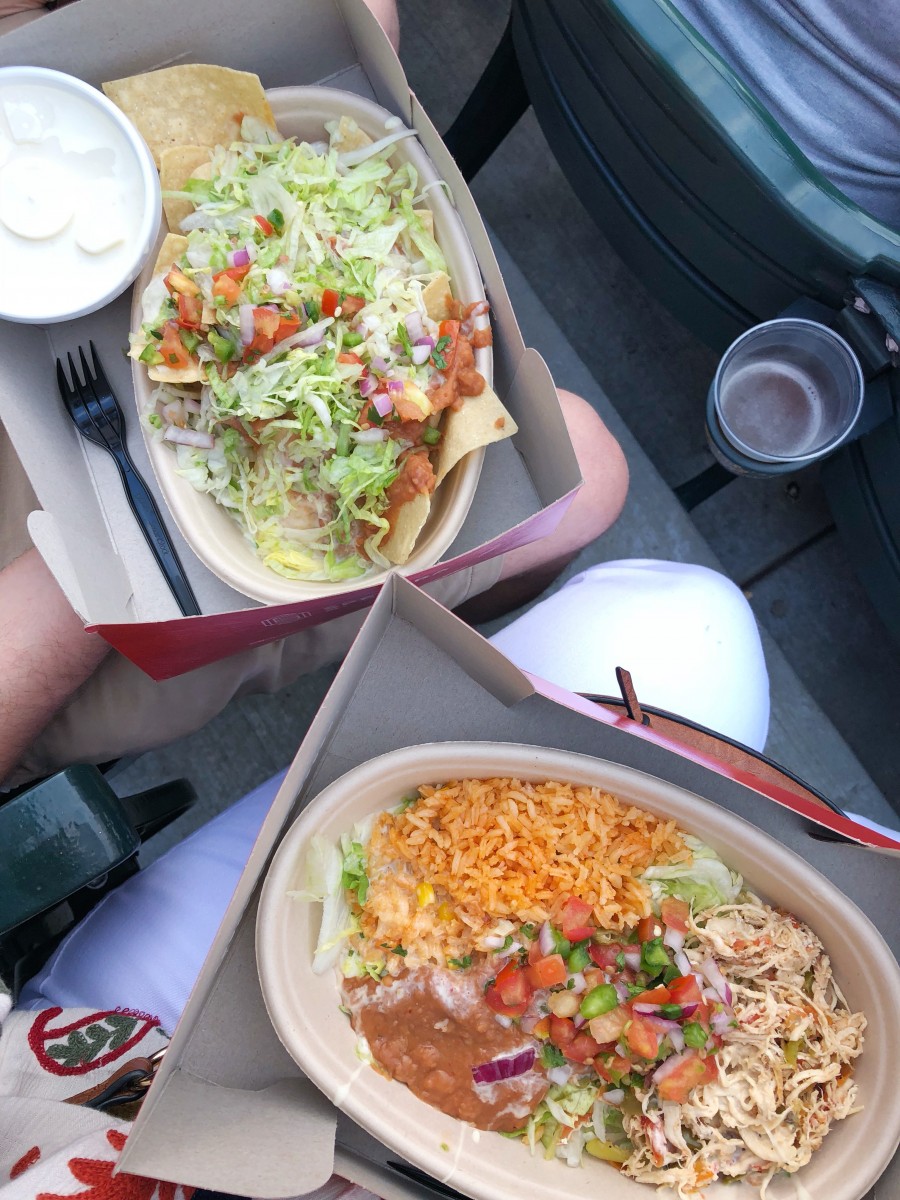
column 173, row 413
column 189, row 437
column 559, row 1075
column 632, row 957
column 366, row 436
column 709, row 968
column 579, row 984
column 673, row 938
column 379, row 365
column 251, row 248
column 688, row 1010
column 676, row 1037
column 192, row 406
column 238, row 258
column 683, row 963
column 420, row 355
column 414, row 327
column 247, row 326
column 306, row 337
column 578, row 1020
column 383, row 404
column 438, row 379
column 622, row 992
column 501, row 1020
column 494, row 942
column 720, row 1022
column 647, row 1009
column 662, row 1024
column 504, row 1068
column 278, row 280
column 545, row 939
column 425, row 341
column 395, row 387
column 614, row 1096
column 621, row 1050
column 367, row 385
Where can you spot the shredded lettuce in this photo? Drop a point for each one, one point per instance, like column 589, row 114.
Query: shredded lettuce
column 705, row 882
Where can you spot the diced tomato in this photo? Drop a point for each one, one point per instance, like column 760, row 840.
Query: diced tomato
column 190, row 310
column 642, row 1038
column 562, row 1030
column 542, row 1028
column 684, row 990
column 347, row 356
column 289, row 324
column 549, row 971
column 238, row 274
column 608, row 1026
column 330, row 301
column 575, row 918
column 535, row 953
column 605, row 956
column 649, row 928
column 593, row 977
column 675, row 913
column 172, row 348
column 265, row 225
column 350, row 305
column 495, row 1001
column 688, row 1072
column 512, row 984
column 226, row 287
column 260, row 345
column 581, row 1049
column 266, row 321
column 657, row 995
column 613, row 1068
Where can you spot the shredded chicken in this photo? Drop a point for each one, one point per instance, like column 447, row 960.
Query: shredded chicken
column 784, row 1066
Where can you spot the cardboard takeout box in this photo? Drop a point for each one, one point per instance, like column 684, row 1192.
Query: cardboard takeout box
column 86, row 531
column 230, row 1110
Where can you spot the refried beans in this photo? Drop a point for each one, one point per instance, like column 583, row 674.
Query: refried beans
column 428, row 1028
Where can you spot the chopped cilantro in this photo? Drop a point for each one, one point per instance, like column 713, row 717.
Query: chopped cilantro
column 312, row 310
column 528, row 931
column 399, row 950
column 552, row 1056
column 437, row 355
column 461, row 964
column 620, row 960
column 507, row 942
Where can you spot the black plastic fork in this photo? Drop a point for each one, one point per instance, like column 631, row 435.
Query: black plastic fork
column 92, row 405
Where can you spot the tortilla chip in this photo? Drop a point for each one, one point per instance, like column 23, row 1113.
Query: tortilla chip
column 435, row 295
column 349, row 136
column 177, row 165
column 408, row 524
column 172, row 248
column 190, row 105
column 481, row 421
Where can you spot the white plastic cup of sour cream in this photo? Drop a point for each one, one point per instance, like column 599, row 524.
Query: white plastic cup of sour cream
column 80, row 198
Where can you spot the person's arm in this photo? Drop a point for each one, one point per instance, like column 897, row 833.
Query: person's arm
column 45, row 655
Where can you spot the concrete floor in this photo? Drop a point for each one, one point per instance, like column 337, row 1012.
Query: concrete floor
column 833, row 671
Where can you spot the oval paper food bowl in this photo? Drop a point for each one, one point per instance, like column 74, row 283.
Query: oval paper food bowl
column 303, row 1006
column 212, row 534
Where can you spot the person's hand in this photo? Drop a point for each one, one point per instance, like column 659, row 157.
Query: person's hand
column 9, row 8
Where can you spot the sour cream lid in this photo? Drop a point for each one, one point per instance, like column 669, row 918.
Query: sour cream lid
column 79, row 197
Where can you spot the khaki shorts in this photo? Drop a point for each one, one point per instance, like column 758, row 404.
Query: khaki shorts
column 119, row 710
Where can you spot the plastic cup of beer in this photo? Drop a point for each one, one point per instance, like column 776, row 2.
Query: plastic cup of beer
column 789, row 390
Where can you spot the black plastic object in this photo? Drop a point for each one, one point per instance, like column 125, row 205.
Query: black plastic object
column 93, row 407
column 64, row 843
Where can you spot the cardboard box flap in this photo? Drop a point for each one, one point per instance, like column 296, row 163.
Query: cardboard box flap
column 415, row 674
column 236, row 1137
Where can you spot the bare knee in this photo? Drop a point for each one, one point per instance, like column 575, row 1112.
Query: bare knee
column 386, row 13
column 596, row 506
